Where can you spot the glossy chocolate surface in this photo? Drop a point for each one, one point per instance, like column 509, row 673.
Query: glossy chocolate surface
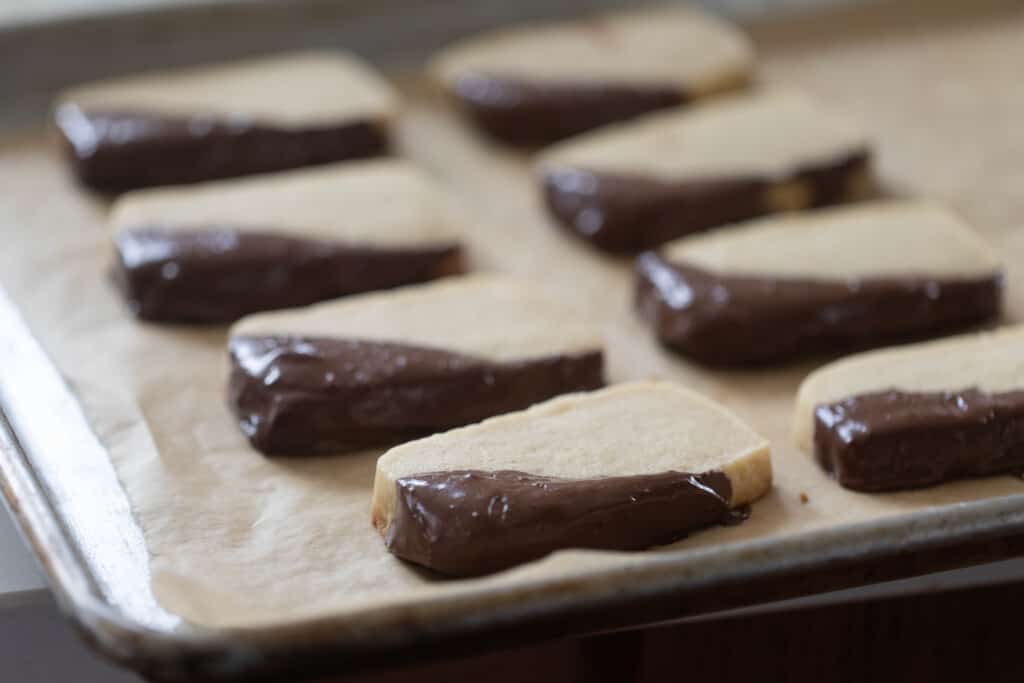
column 749, row 320
column 305, row 395
column 626, row 213
column 899, row 440
column 115, row 151
column 473, row 522
column 217, row 275
column 529, row 114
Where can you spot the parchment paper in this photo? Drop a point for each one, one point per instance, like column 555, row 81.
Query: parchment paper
column 239, row 539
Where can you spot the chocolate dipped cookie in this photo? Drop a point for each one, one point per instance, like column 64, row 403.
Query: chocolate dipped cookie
column 636, row 185
column 224, row 120
column 383, row 368
column 624, row 468
column 825, row 281
column 532, row 85
column 213, row 252
column 918, row 415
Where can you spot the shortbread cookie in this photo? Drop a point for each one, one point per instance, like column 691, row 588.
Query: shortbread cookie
column 920, row 414
column 829, row 280
column 532, row 85
column 636, row 185
column 388, row 367
column 624, row 468
column 217, row 251
column 210, row 122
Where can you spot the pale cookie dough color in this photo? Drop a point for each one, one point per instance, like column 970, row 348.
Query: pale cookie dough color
column 778, row 288
column 639, row 184
column 216, row 251
column 920, row 414
column 889, row 238
column 210, row 122
column 534, row 84
column 624, row 468
column 388, row 367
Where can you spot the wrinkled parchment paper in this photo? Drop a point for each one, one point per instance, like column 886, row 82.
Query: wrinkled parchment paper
column 239, row 539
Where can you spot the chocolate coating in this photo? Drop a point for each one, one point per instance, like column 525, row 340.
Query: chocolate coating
column 217, row 275
column 720, row 319
column 529, row 114
column 305, row 395
column 115, row 151
column 471, row 522
column 899, row 440
column 624, row 213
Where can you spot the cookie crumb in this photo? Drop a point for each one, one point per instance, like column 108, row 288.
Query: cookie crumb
column 803, row 498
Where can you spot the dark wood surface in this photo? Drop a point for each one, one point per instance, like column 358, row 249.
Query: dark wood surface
column 965, row 635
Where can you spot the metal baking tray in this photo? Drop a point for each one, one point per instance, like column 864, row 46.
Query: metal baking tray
column 58, row 480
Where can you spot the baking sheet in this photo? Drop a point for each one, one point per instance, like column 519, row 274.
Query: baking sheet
column 235, row 539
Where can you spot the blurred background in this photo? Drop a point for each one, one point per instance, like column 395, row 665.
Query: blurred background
column 46, row 45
